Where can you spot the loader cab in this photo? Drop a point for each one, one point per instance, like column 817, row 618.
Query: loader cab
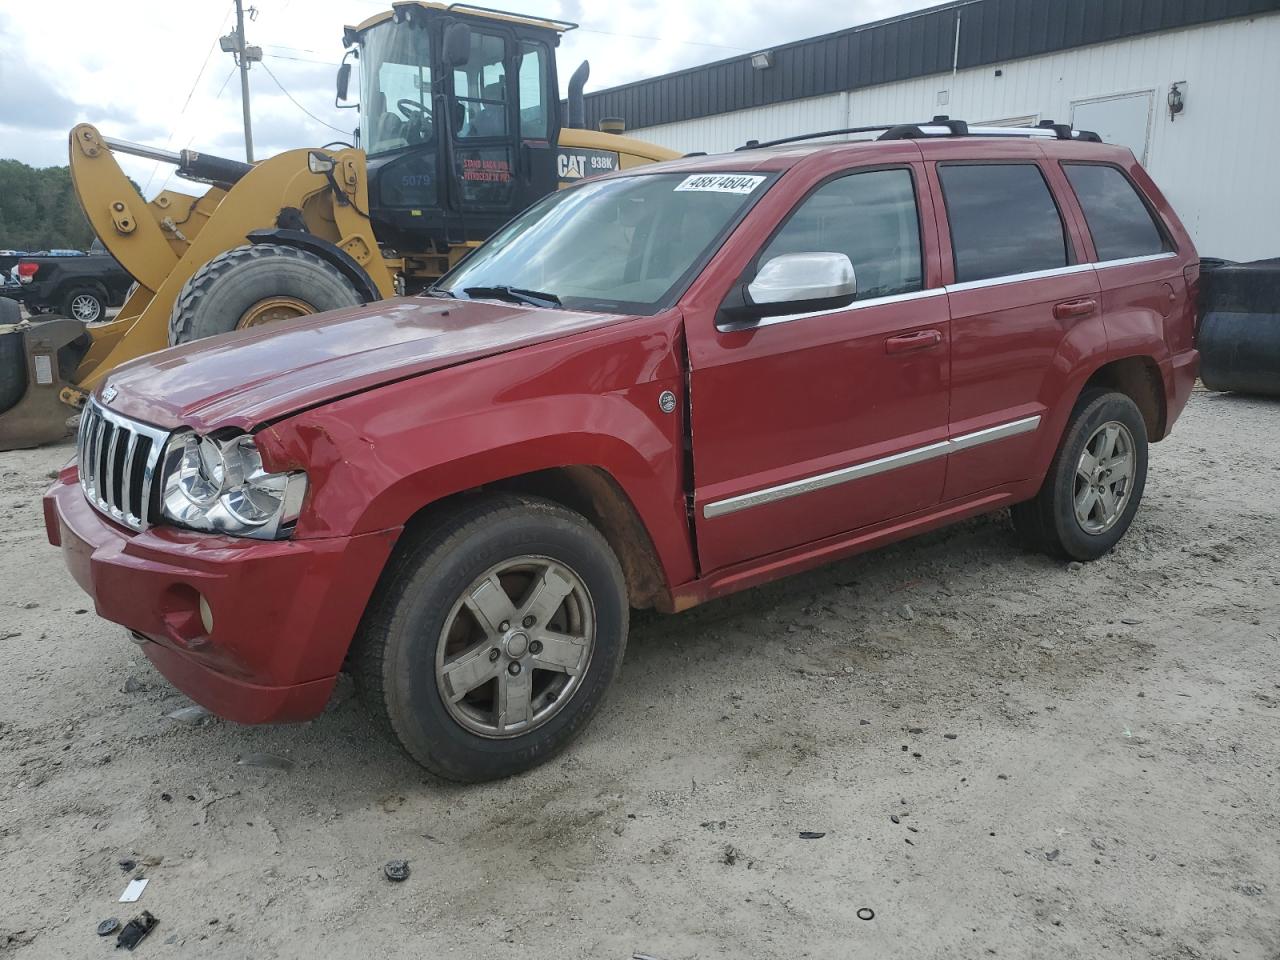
column 460, row 113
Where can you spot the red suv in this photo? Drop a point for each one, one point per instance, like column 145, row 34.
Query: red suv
column 648, row 390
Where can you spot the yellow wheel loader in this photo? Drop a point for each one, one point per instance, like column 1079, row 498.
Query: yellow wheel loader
column 461, row 128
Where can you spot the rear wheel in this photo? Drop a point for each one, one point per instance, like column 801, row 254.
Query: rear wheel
column 492, row 639
column 253, row 285
column 1094, row 484
column 86, row 304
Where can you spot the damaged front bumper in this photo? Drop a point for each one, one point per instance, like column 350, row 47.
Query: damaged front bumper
column 255, row 631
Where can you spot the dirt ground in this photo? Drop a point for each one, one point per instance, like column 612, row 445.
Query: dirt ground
column 1006, row 756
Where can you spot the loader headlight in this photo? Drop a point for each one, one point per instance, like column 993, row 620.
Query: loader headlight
column 221, row 486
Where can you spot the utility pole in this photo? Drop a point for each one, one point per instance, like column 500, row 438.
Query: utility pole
column 244, row 54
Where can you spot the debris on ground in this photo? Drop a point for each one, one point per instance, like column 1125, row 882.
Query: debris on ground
column 811, row 835
column 866, row 913
column 135, row 930
column 195, row 715
column 108, row 926
column 134, row 890
column 396, row 870
column 267, row 761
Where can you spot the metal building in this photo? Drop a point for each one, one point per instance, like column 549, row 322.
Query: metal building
column 1187, row 84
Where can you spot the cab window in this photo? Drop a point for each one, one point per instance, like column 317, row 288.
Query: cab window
column 534, row 119
column 481, row 88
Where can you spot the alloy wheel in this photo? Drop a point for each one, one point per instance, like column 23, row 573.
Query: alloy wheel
column 86, row 308
column 1104, row 477
column 515, row 646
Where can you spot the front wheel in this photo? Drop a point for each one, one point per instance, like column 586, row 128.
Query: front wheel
column 256, row 284
column 492, row 639
column 1094, row 484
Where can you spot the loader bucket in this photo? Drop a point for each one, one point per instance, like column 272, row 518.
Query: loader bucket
column 33, row 357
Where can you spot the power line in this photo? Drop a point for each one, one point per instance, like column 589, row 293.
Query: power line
column 222, row 89
column 281, row 56
column 181, row 113
column 298, row 105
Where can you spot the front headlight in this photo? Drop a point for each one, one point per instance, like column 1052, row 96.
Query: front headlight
column 220, row 486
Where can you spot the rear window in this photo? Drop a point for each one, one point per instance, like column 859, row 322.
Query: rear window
column 1003, row 220
column 1119, row 222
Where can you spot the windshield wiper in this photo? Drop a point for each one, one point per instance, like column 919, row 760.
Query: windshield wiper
column 441, row 292
column 533, row 298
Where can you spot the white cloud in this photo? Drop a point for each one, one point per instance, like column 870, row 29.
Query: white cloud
column 130, row 67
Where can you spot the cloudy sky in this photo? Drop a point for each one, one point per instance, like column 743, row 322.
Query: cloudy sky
column 150, row 71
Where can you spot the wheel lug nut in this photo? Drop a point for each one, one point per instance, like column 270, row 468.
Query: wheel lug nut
column 494, row 655
column 513, row 668
column 504, row 626
column 527, row 622
column 535, row 647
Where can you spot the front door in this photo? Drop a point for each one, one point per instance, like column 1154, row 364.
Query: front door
column 503, row 127
column 813, row 425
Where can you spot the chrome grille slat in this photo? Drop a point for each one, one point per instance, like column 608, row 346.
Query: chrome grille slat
column 103, row 434
column 126, row 484
column 109, row 488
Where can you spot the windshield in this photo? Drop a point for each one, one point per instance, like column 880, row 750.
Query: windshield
column 395, row 101
column 623, row 244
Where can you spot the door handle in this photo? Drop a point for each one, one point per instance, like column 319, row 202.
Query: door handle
column 920, row 340
column 1074, row 309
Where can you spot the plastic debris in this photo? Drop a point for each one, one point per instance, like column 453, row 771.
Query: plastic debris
column 134, row 890
column 866, row 913
column 135, row 930
column 811, row 835
column 268, row 761
column 108, row 926
column 396, row 870
column 194, row 715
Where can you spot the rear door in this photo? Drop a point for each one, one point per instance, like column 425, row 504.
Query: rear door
column 811, row 425
column 1019, row 288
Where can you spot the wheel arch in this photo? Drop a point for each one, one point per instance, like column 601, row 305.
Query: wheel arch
column 1139, row 378
column 591, row 491
column 326, row 250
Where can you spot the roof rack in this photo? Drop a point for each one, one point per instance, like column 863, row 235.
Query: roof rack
column 939, row 127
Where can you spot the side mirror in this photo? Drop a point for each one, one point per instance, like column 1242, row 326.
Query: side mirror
column 344, row 80
column 457, row 45
column 791, row 283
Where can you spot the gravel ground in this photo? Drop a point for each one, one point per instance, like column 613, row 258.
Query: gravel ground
column 1005, row 755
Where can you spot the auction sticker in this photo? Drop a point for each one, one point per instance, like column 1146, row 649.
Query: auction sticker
column 722, row 182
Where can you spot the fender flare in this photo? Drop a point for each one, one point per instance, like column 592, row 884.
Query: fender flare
column 330, row 252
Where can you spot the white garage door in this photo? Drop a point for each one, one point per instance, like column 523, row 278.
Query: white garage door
column 1124, row 119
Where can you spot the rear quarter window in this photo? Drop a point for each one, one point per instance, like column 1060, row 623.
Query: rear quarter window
column 1119, row 221
column 1003, row 220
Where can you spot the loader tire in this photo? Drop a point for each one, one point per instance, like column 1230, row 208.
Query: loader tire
column 13, row 365
column 256, row 284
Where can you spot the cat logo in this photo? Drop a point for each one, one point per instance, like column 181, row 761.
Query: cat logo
column 575, row 164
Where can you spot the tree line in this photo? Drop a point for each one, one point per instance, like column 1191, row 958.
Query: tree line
column 39, row 209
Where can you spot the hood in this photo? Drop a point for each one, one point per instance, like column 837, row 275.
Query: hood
column 249, row 377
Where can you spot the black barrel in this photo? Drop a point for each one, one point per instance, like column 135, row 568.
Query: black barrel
column 1239, row 337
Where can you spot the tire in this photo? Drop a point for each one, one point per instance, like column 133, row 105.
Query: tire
column 1051, row 523
column 13, row 365
column 84, row 303
column 226, row 293
column 417, row 623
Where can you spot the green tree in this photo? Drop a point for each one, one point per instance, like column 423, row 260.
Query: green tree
column 39, row 209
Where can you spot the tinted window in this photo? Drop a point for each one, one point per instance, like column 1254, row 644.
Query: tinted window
column 872, row 218
column 1003, row 220
column 1119, row 221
